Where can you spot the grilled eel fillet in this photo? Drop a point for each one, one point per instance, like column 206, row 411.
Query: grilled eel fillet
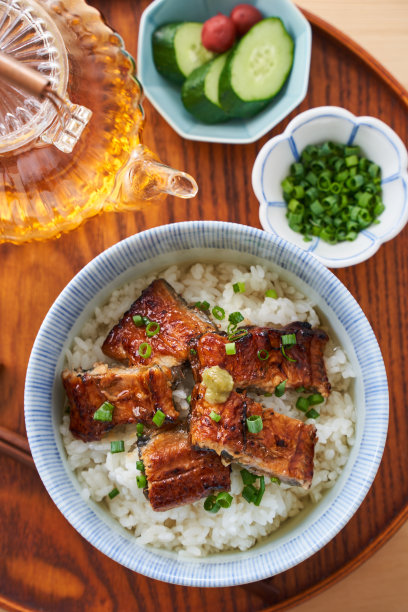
column 136, row 394
column 248, row 370
column 177, row 474
column 178, row 325
column 284, row 448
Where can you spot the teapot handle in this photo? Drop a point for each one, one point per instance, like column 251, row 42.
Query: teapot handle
column 145, row 178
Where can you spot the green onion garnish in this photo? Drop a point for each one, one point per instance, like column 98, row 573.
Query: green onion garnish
column 275, row 479
column 193, row 351
column 152, row 328
column 280, row 389
column 288, row 340
column 302, row 404
column 262, row 355
column 145, row 350
column 215, row 416
column 211, row 505
column 312, row 414
column 261, row 491
column 239, row 287
column 218, row 313
column 188, row 398
column 332, row 193
column 254, row 423
column 104, row 412
column 141, row 481
column 287, row 356
column 224, row 499
column 117, row 446
column 113, row 493
column 202, row 305
column 300, row 389
column 138, row 320
column 271, row 293
column 237, row 334
column 247, row 477
column 230, row 348
column 140, row 465
column 315, row 399
column 159, row 418
column 249, row 493
column 139, row 429
column 235, row 318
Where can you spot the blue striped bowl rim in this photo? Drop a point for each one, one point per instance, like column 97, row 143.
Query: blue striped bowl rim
column 42, row 414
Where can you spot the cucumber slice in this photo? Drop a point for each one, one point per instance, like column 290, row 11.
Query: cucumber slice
column 200, row 91
column 257, row 68
column 177, row 49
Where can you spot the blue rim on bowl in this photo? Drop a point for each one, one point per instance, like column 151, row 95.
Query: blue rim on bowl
column 159, row 247
column 377, row 141
column 166, row 98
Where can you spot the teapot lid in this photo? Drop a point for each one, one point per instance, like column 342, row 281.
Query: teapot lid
column 29, row 34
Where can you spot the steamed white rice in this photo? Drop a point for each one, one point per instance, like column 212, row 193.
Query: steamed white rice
column 190, row 530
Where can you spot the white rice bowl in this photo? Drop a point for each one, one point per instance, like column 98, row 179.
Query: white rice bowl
column 189, row 530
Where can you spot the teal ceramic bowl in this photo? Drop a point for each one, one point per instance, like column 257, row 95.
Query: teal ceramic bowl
column 165, row 96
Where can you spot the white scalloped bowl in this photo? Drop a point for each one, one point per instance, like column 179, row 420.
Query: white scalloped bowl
column 378, row 142
column 298, row 538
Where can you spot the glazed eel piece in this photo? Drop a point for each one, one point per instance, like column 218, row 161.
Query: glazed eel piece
column 284, row 448
column 179, row 324
column 259, row 361
column 135, row 393
column 176, row 473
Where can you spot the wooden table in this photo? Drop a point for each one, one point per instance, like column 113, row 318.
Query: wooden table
column 44, row 563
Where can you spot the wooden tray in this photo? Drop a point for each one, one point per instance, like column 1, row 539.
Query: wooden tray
column 45, row 564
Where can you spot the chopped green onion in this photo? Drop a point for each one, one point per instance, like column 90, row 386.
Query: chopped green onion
column 237, row 334
column 140, row 466
column 302, row 404
column 139, row 429
column 117, row 446
column 104, row 412
column 271, row 293
column 287, row 356
column 141, row 481
column 211, row 505
column 218, row 313
column 275, row 479
column 138, row 320
column 312, row 414
column 230, row 348
column 248, row 477
column 254, row 423
column 261, row 491
column 235, row 318
column 224, row 499
column 145, row 350
column 238, row 287
column 288, row 340
column 280, row 389
column 215, row 416
column 193, row 351
column 249, row 493
column 113, row 493
column 262, row 355
column 188, row 398
column 159, row 418
column 152, row 328
column 300, row 389
column 202, row 305
column 314, row 399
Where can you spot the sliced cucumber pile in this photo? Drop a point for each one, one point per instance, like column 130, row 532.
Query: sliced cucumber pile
column 256, row 69
column 200, row 92
column 177, row 50
column 238, row 83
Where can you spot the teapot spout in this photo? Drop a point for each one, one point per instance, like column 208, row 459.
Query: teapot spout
column 146, row 178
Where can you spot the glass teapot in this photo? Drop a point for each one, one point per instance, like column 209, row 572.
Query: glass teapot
column 62, row 164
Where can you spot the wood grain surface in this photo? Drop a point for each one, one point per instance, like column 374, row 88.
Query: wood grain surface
column 45, row 564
